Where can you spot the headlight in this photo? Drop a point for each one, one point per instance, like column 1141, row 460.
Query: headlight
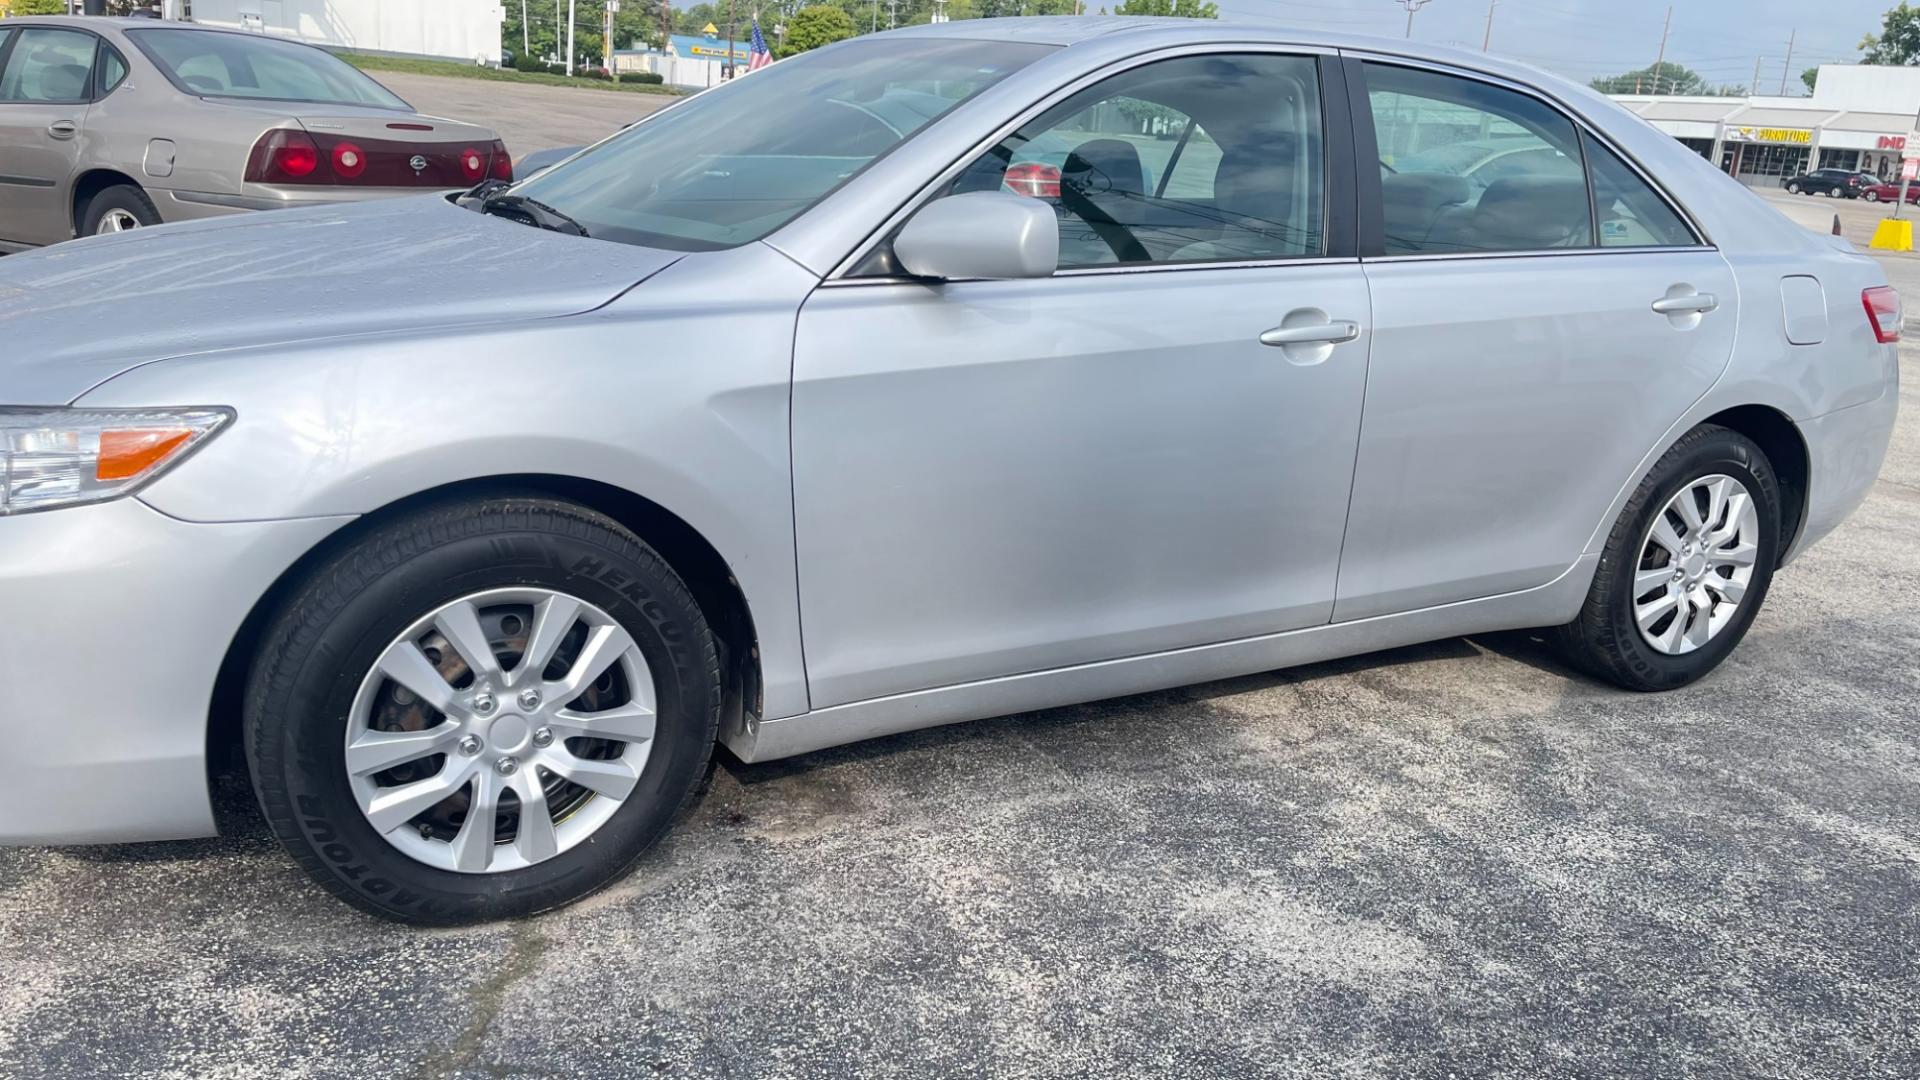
column 64, row 457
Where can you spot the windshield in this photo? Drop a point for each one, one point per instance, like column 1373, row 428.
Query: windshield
column 734, row 164
column 245, row 66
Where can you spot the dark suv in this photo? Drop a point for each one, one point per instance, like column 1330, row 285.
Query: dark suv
column 1838, row 183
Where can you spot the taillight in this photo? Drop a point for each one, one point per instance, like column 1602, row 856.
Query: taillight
column 473, row 165
column 1883, row 311
column 1033, row 178
column 349, row 161
column 283, row 154
column 502, row 164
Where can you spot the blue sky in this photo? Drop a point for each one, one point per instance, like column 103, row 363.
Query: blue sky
column 1584, row 39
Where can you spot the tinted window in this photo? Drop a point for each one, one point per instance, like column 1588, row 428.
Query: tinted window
column 112, row 68
column 48, row 65
column 735, row 163
column 1466, row 166
column 1631, row 213
column 213, row 64
column 1200, row 159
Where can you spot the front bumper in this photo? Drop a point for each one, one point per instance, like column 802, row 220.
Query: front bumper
column 117, row 618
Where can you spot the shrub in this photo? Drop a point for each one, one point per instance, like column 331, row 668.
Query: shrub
column 651, row 78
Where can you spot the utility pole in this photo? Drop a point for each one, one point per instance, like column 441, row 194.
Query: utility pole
column 559, row 35
column 1662, row 61
column 1754, row 86
column 606, row 39
column 893, row 14
column 1412, row 6
column 1488, row 39
column 1787, row 68
column 526, row 39
column 730, row 23
column 570, row 4
column 876, row 17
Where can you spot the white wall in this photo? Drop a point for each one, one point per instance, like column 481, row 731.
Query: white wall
column 452, row 29
column 1868, row 88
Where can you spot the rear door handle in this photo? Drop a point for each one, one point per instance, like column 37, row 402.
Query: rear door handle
column 1700, row 303
column 1330, row 333
column 63, row 129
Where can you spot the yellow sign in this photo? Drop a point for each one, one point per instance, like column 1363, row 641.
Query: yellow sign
column 710, row 30
column 1791, row 136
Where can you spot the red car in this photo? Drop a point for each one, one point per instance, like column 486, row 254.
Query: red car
column 1891, row 192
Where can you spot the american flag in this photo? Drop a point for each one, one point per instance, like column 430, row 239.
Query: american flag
column 758, row 56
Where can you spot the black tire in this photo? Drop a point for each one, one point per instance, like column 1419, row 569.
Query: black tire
column 333, row 627
column 127, row 197
column 1871, row 196
column 1793, row 189
column 1604, row 640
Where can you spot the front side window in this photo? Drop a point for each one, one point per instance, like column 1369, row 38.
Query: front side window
column 1468, row 167
column 48, row 65
column 732, row 165
column 1197, row 159
column 215, row 64
column 1631, row 213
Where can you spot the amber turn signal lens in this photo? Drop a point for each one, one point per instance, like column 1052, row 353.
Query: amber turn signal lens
column 126, row 454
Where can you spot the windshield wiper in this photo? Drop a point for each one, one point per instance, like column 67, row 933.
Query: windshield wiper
column 491, row 197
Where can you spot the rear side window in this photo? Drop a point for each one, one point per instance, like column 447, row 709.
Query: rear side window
column 112, row 69
column 1470, row 167
column 1631, row 213
column 48, row 65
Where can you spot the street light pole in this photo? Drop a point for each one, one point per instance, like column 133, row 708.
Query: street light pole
column 1487, row 40
column 570, row 4
column 1412, row 6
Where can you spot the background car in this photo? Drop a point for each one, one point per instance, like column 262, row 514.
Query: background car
column 1889, row 191
column 112, row 124
column 1838, row 183
column 781, row 420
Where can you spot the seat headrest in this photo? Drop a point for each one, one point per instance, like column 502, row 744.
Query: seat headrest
column 1533, row 211
column 65, row 82
column 1255, row 176
column 1428, row 191
column 1105, row 165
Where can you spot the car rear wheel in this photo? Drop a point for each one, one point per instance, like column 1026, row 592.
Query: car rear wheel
column 1793, row 189
column 119, row 208
column 1871, row 196
column 480, row 710
column 1686, row 567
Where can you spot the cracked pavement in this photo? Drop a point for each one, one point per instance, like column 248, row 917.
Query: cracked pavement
column 1450, row 860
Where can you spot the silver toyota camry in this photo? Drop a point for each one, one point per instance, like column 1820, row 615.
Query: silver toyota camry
column 938, row 374
column 114, row 124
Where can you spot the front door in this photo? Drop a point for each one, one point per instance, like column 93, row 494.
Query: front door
column 45, row 75
column 1531, row 343
column 998, row 477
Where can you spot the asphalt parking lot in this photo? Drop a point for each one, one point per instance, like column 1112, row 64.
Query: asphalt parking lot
column 1450, row 860
column 527, row 116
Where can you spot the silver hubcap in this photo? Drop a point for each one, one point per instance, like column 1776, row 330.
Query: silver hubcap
column 500, row 730
column 1696, row 563
column 116, row 221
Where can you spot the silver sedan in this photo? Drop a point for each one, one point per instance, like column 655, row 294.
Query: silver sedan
column 114, row 124
column 934, row 375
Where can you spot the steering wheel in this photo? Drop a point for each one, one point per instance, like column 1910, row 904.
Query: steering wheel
column 1126, row 247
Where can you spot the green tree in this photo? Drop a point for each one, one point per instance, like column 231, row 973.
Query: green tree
column 1810, row 76
column 1663, row 78
column 37, row 7
column 1179, row 9
column 812, row 27
column 1898, row 42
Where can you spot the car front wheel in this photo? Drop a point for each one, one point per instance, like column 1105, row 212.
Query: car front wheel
column 1793, row 189
column 1871, row 196
column 1686, row 567
column 483, row 709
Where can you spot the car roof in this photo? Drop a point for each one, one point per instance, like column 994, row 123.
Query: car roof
column 122, row 22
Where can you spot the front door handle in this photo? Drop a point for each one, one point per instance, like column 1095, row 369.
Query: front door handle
column 1692, row 304
column 63, row 129
column 1328, row 333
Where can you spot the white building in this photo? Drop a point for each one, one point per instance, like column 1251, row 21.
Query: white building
column 1858, row 118
column 464, row 30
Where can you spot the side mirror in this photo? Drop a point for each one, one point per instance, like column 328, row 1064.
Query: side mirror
column 981, row 234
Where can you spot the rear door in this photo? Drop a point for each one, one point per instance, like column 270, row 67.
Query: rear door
column 46, row 75
column 996, row 477
column 1533, row 339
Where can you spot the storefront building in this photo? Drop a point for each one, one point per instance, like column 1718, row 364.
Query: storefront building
column 1858, row 118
